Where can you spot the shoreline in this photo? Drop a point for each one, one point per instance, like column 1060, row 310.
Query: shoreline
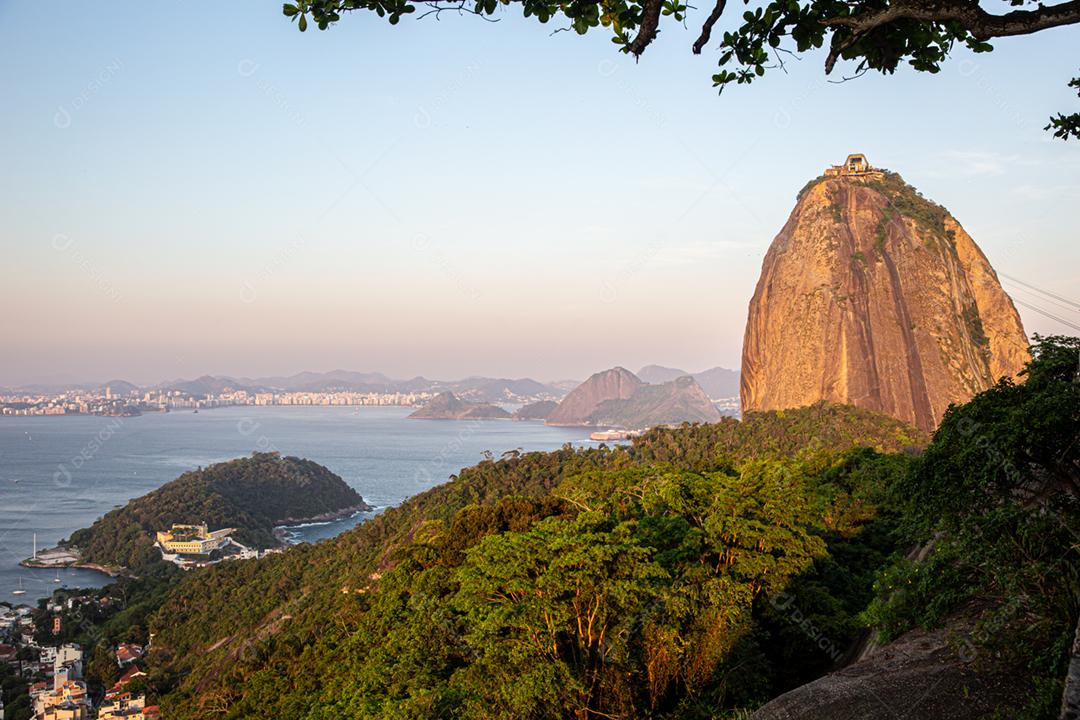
column 281, row 531
column 103, row 569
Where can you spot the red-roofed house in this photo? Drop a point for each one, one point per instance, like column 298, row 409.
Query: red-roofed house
column 120, row 684
column 128, row 653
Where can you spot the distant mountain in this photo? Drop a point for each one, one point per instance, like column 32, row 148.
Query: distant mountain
column 619, row 398
column 120, row 387
column 478, row 389
column 658, row 374
column 671, row 403
column 322, row 382
column 205, row 385
column 717, row 382
column 447, row 406
column 484, row 389
column 48, row 388
column 564, row 386
column 577, row 408
column 536, row 411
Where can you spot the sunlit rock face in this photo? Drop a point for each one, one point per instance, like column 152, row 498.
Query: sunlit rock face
column 874, row 296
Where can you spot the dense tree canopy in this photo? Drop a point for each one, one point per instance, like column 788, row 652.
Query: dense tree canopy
column 875, row 35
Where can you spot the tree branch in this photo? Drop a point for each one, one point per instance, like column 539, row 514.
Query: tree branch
column 981, row 24
column 650, row 21
column 706, row 28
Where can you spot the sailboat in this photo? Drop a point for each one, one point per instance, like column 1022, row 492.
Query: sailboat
column 57, row 578
column 20, row 591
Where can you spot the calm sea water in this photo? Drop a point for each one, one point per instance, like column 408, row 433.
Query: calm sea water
column 58, row 474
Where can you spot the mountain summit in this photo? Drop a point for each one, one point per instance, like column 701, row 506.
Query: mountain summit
column 618, row 383
column 874, row 296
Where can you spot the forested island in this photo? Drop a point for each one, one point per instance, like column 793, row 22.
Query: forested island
column 702, row 572
column 254, row 495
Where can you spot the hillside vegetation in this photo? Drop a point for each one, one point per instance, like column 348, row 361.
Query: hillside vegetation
column 252, row 494
column 698, row 573
column 281, row 634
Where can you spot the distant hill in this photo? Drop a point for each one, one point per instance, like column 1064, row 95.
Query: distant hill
column 253, row 494
column 717, row 382
column 447, row 406
column 478, row 389
column 536, row 411
column 671, row 403
column 502, row 389
column 564, row 386
column 335, row 379
column 658, row 374
column 204, row 385
column 120, row 387
column 577, row 408
column 619, row 398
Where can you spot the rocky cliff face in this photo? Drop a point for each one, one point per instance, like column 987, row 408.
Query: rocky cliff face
column 873, row 296
column 576, row 408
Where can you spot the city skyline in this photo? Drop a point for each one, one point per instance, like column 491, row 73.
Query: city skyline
column 186, row 198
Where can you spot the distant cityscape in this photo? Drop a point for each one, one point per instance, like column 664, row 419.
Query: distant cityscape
column 118, row 398
column 106, row 403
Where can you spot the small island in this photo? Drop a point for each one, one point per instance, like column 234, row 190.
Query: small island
column 246, row 500
column 448, row 406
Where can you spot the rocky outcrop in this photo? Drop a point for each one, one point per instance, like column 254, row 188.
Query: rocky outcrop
column 447, row 406
column 873, row 296
column 577, row 408
column 924, row 675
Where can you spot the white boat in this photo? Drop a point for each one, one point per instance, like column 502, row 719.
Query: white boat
column 20, row 591
column 57, row 578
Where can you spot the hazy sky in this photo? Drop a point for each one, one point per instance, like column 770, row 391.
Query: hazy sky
column 192, row 188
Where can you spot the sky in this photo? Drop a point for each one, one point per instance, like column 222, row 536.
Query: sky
column 192, row 189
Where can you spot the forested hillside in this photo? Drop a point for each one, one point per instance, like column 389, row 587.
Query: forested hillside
column 263, row 635
column 252, row 494
column 699, row 573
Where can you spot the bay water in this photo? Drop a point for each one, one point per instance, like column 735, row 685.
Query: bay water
column 58, row 474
